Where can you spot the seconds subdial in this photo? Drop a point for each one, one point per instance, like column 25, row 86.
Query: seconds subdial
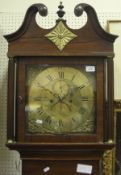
column 61, row 88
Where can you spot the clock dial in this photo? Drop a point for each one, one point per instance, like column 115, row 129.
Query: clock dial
column 60, row 99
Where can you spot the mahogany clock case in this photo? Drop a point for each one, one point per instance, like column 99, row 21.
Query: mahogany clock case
column 34, row 58
column 29, row 46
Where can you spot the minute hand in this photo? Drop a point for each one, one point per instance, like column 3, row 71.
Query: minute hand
column 72, row 92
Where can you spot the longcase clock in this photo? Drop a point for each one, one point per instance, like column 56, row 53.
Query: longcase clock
column 60, row 94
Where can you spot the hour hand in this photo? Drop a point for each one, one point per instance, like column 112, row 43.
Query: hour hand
column 49, row 92
column 40, row 98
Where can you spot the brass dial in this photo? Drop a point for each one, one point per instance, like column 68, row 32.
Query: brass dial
column 60, row 100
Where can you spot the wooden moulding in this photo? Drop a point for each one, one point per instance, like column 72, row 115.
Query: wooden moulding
column 55, row 150
column 30, row 38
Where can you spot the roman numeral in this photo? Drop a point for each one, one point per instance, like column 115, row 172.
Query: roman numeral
column 61, row 75
column 49, row 77
column 84, row 98
column 60, row 123
column 73, row 77
column 48, row 120
column 40, row 111
column 82, row 86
